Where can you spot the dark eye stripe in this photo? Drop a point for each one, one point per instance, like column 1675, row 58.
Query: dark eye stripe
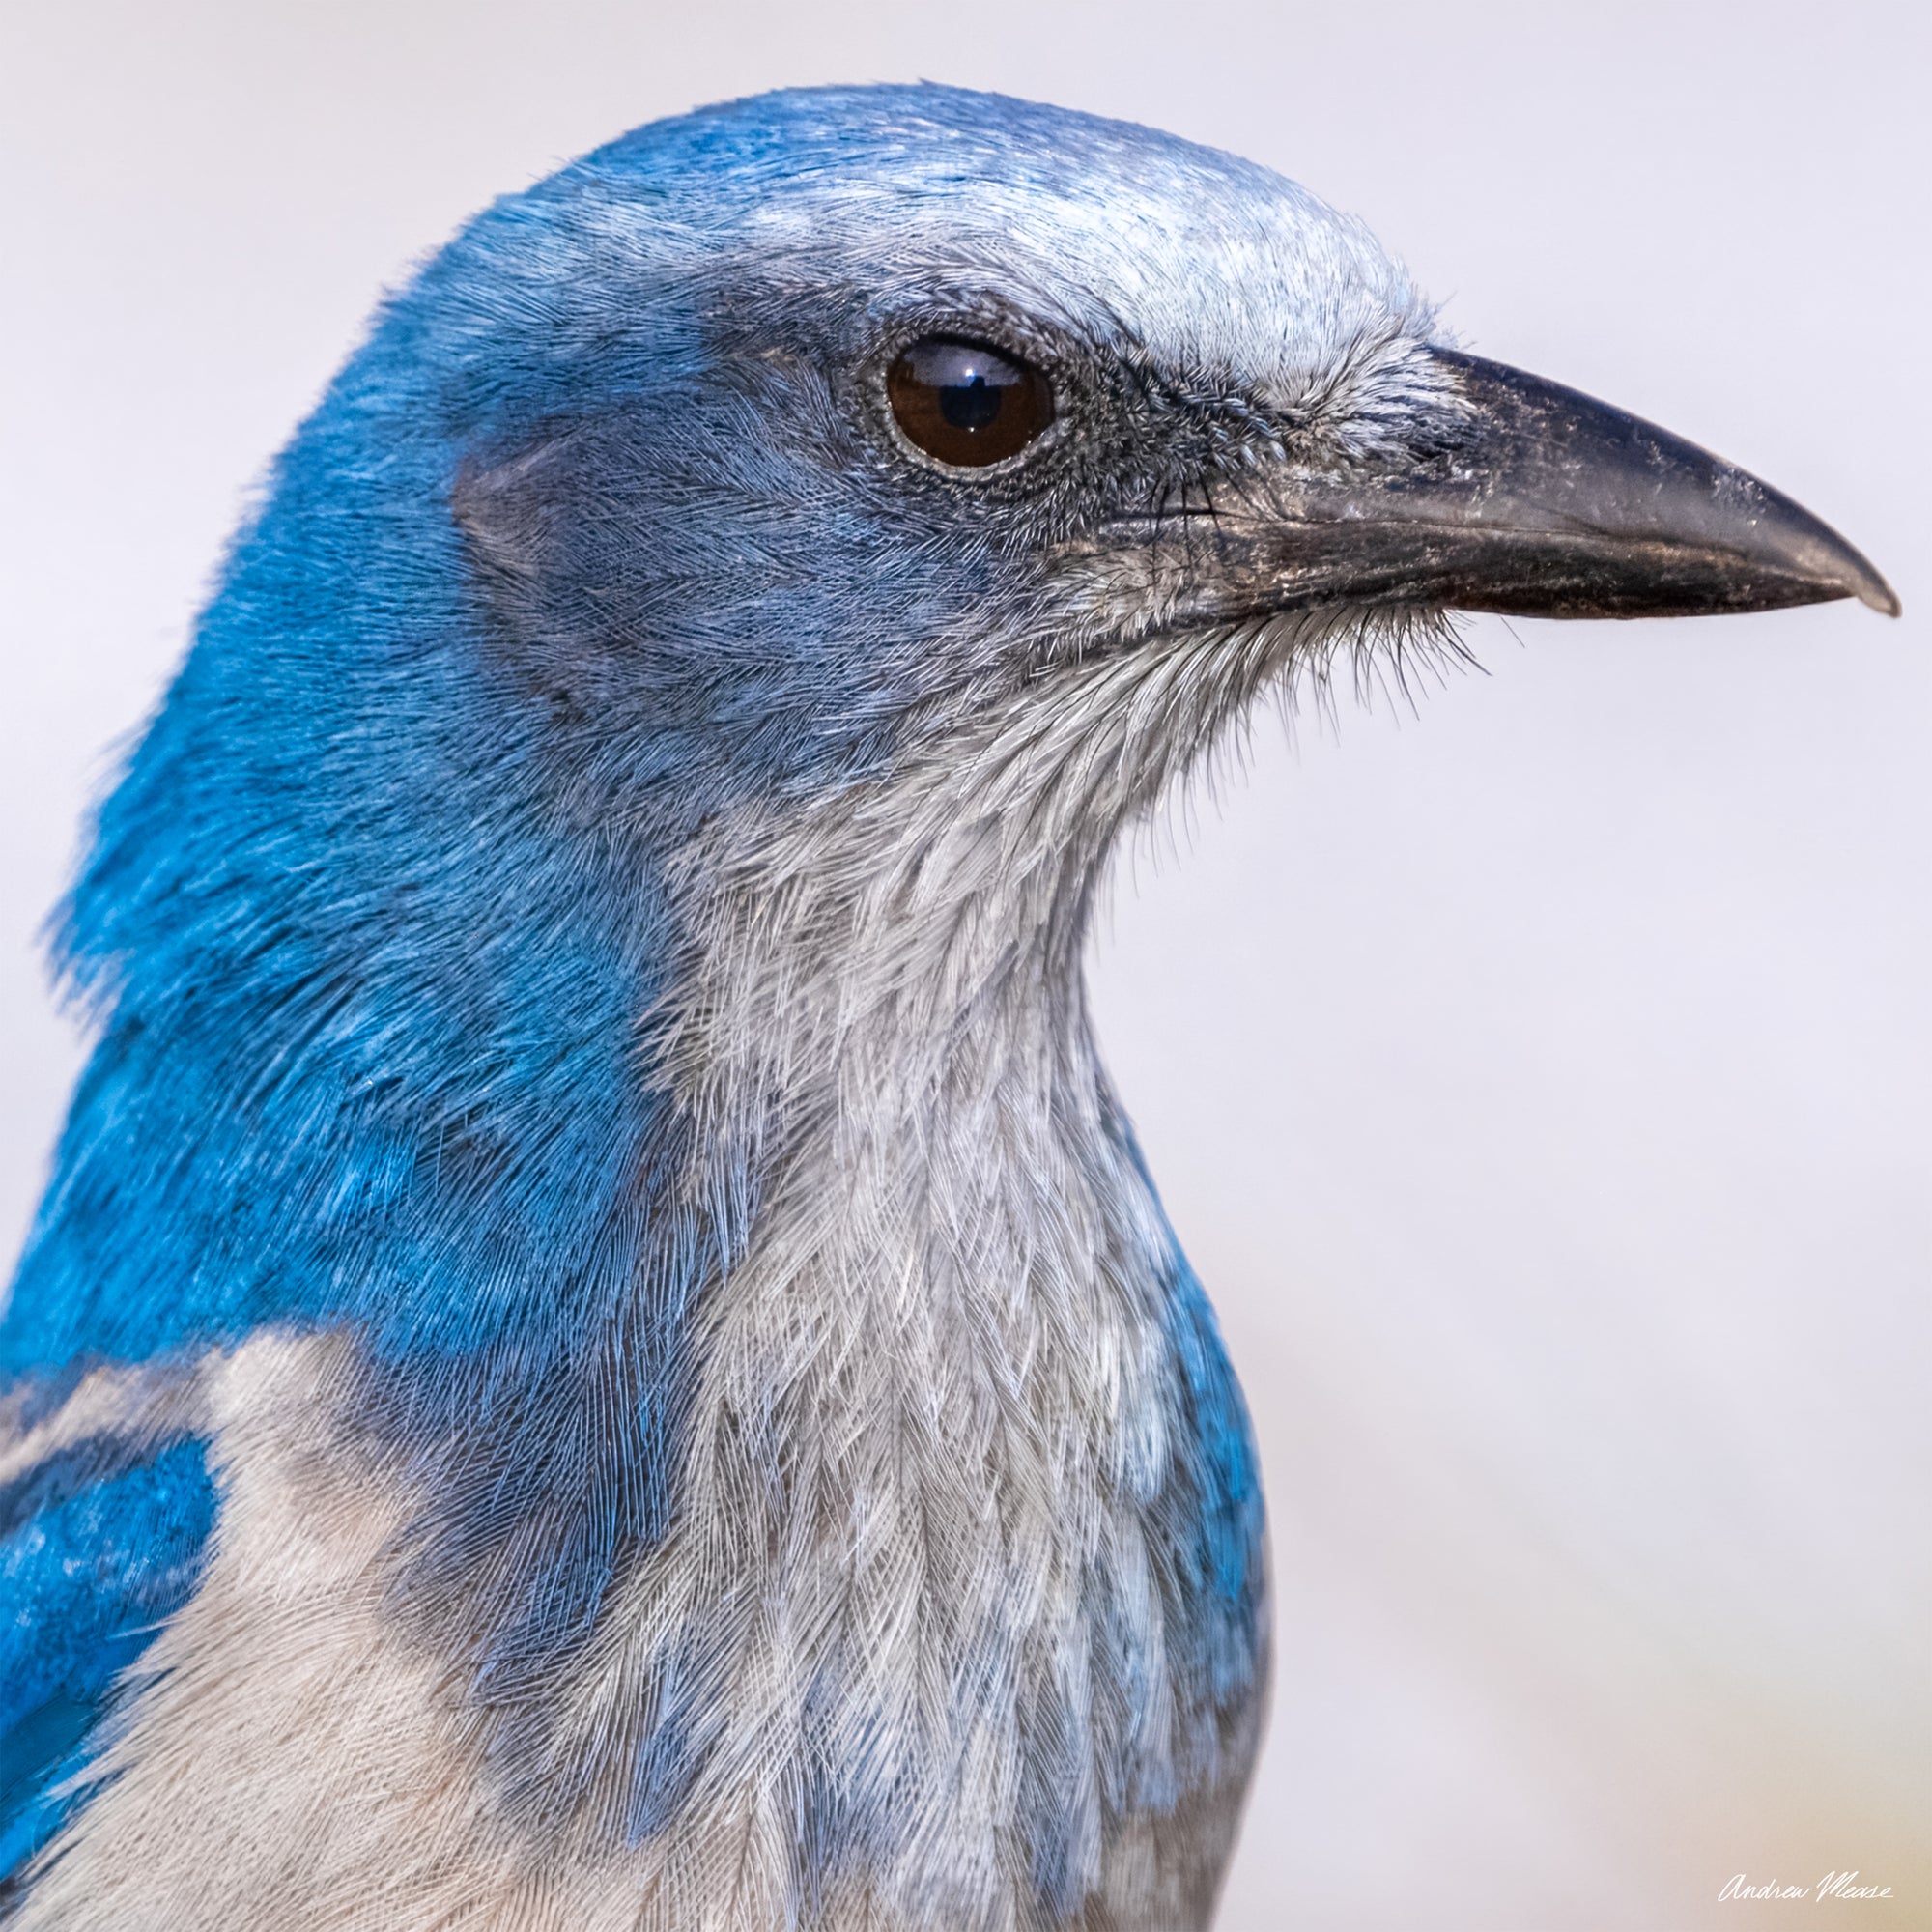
column 966, row 404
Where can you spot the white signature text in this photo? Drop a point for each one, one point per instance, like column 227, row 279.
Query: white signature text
column 1833, row 1884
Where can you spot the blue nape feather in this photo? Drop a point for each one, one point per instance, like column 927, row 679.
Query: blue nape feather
column 599, row 1351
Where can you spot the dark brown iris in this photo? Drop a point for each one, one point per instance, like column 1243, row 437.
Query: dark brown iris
column 965, row 404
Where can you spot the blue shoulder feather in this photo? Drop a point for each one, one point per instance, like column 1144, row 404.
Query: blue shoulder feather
column 100, row 1543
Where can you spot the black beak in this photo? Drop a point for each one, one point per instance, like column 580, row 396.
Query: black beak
column 1539, row 501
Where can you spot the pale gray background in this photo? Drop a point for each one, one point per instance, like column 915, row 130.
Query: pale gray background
column 1539, row 1080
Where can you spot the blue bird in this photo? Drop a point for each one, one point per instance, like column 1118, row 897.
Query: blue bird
column 599, row 1351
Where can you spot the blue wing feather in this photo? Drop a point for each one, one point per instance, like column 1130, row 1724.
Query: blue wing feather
column 99, row 1543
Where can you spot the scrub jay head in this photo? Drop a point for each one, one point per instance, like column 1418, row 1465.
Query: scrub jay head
column 829, row 427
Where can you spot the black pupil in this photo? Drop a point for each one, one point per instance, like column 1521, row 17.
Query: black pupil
column 970, row 405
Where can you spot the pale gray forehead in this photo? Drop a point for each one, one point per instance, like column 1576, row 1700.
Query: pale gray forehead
column 1264, row 289
column 1215, row 268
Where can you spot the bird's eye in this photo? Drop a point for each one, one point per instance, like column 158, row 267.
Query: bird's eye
column 966, row 404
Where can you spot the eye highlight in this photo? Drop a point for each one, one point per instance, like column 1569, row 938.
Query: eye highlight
column 965, row 404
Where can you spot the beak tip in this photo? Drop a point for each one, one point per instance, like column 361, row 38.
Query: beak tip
column 1838, row 568
column 1858, row 578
